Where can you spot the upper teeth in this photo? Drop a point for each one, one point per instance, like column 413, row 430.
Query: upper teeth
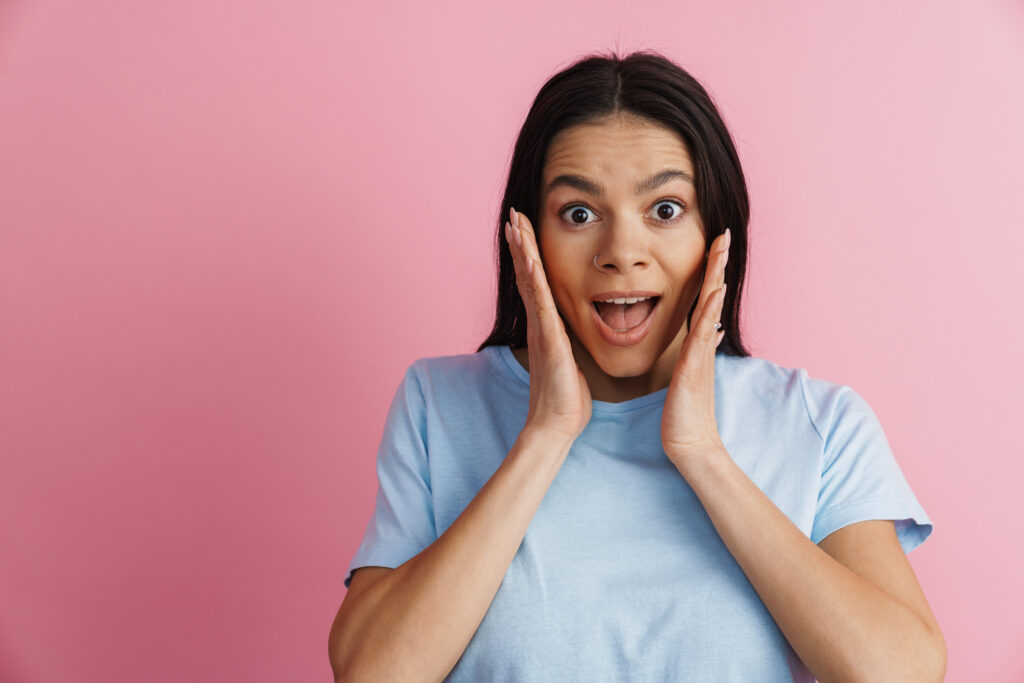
column 630, row 300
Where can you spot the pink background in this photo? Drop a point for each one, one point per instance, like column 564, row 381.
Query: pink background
column 226, row 229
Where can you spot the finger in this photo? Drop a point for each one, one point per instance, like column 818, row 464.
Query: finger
column 706, row 326
column 529, row 238
column 523, row 278
column 714, row 273
column 544, row 302
column 721, row 302
column 694, row 356
column 712, row 338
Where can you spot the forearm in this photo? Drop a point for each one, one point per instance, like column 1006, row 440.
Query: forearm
column 841, row 626
column 415, row 622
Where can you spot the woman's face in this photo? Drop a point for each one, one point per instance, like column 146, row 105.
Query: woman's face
column 607, row 189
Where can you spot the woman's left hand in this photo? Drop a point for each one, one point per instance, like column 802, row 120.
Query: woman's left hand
column 688, row 426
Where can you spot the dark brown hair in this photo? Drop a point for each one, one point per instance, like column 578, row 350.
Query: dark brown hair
column 647, row 85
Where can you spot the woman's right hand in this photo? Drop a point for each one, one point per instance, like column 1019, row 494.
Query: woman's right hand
column 560, row 403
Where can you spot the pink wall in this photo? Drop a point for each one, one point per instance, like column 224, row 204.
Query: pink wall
column 196, row 198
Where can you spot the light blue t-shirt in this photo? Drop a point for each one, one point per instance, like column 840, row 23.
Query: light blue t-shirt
column 621, row 575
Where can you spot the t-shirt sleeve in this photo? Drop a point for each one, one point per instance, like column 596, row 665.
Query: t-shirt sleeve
column 860, row 478
column 402, row 523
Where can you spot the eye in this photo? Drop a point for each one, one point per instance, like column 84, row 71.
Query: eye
column 577, row 214
column 666, row 215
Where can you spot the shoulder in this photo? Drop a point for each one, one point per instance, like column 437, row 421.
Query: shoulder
column 461, row 366
column 457, row 375
column 762, row 382
column 759, row 373
column 764, row 378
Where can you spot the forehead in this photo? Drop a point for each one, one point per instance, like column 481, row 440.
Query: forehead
column 619, row 149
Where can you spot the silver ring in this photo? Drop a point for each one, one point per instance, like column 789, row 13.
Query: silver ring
column 718, row 324
column 595, row 261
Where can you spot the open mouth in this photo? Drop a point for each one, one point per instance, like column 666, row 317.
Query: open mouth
column 624, row 324
column 623, row 317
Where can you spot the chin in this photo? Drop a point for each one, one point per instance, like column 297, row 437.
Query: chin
column 624, row 361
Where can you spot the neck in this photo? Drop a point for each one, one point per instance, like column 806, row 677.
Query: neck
column 616, row 389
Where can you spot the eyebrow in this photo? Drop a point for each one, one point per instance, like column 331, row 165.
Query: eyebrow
column 590, row 187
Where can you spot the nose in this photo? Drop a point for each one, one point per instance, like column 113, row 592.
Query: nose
column 623, row 246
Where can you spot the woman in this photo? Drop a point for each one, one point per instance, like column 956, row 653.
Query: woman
column 611, row 487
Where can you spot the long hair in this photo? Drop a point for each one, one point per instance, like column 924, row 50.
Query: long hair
column 647, row 85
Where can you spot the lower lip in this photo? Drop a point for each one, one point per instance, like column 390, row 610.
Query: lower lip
column 634, row 335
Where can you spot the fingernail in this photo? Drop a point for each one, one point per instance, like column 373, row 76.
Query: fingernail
column 728, row 238
column 529, row 265
column 720, row 336
column 508, row 232
column 515, row 216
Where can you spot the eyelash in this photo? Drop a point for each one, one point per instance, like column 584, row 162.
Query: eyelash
column 663, row 221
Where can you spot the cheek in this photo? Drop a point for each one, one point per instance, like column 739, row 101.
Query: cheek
column 689, row 277
column 565, row 279
column 559, row 264
column 564, row 288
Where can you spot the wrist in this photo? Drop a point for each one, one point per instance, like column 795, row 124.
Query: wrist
column 691, row 462
column 545, row 439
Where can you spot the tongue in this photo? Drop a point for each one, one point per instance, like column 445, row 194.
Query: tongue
column 620, row 316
